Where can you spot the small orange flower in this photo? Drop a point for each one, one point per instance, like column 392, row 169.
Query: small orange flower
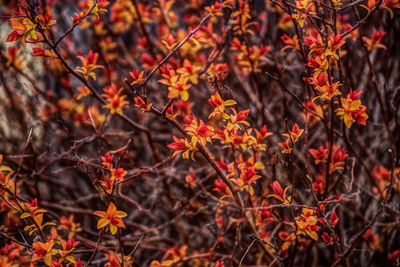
column 381, row 176
column 70, row 225
column 170, row 112
column 221, row 187
column 111, row 91
column 137, row 77
column 89, row 64
column 67, row 247
column 77, row 18
column 291, row 138
column 14, row 60
column 115, row 100
column 373, row 239
column 327, row 238
column 219, row 105
column 46, row 21
column 307, row 224
column 99, row 7
column 191, row 179
column 314, row 41
column 114, row 260
column 288, row 240
column 118, row 174
column 248, row 176
column 238, row 118
column 286, row 149
column 170, row 42
column 44, row 251
column 107, row 185
column 83, row 91
column 334, row 219
column 389, row 4
column 313, row 119
column 320, row 154
column 375, row 41
column 290, row 42
column 189, row 71
column 183, row 145
column 295, row 133
column 112, row 217
column 321, row 83
column 339, row 155
column 199, row 131
column 116, row 104
column 215, row 10
column 319, row 65
column 144, row 105
column 107, row 160
column 352, row 111
column 24, row 29
column 279, row 193
column 179, row 88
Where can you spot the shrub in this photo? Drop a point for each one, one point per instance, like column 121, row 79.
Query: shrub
column 200, row 133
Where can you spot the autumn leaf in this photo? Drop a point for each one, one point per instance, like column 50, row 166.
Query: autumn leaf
column 112, row 217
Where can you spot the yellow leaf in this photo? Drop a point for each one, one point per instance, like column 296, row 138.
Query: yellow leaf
column 313, row 235
column 229, row 102
column 32, row 231
column 102, row 222
column 25, row 215
column 100, row 213
column 113, row 229
column 47, row 259
column 5, row 168
column 26, row 228
column 48, row 223
column 120, row 214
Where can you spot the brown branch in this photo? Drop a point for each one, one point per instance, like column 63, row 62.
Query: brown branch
column 348, row 252
column 361, row 22
column 170, row 54
column 76, row 24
